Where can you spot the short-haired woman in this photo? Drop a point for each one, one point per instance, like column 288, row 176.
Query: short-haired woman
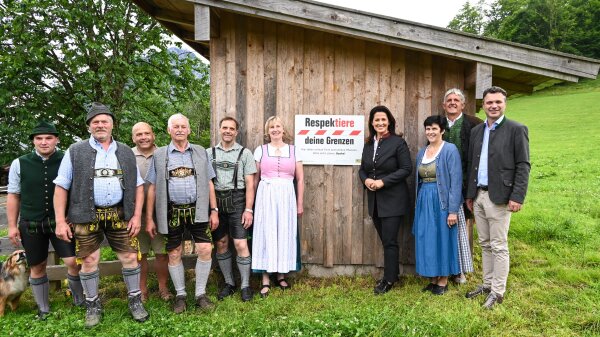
column 439, row 196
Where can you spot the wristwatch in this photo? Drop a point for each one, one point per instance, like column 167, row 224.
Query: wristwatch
column 216, row 209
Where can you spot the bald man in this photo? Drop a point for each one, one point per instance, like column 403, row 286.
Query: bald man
column 143, row 138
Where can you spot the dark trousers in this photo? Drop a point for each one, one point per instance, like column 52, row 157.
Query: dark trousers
column 387, row 228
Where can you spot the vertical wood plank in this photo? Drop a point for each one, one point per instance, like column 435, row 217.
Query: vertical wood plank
column 343, row 77
column 217, row 82
column 371, row 77
column 241, row 33
column 270, row 69
column 255, row 97
column 372, row 250
column 313, row 74
column 438, row 75
column 424, row 90
column 470, row 76
column 424, row 103
column 230, row 64
column 329, row 239
column 411, row 127
column 312, row 231
column 297, row 70
column 454, row 77
column 285, row 73
column 358, row 99
column 385, row 75
column 397, row 104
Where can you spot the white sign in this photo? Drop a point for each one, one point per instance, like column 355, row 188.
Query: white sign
column 330, row 139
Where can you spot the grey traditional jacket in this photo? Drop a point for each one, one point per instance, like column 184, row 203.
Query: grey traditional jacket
column 81, row 194
column 200, row 161
column 508, row 162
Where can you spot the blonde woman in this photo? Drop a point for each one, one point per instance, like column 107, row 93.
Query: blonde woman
column 275, row 247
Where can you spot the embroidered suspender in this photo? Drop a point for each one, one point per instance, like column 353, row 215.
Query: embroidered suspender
column 235, row 170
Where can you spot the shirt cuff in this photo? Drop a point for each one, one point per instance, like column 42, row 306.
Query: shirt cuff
column 62, row 182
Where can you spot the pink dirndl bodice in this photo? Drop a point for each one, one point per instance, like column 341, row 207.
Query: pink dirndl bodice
column 277, row 167
column 275, row 236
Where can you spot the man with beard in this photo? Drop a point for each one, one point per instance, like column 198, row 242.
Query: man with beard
column 99, row 179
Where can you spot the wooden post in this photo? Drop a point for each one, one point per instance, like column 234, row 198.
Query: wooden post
column 52, row 261
column 201, row 23
column 483, row 79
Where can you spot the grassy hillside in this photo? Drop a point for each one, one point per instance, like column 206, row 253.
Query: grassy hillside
column 553, row 288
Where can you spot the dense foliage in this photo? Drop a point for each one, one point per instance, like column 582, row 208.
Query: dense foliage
column 570, row 26
column 58, row 56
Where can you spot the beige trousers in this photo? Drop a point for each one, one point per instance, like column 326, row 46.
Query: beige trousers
column 493, row 222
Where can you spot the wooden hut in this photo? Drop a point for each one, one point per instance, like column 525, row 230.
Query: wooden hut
column 289, row 57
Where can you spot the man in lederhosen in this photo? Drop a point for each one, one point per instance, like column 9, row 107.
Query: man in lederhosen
column 143, row 138
column 30, row 195
column 100, row 180
column 234, row 166
column 181, row 192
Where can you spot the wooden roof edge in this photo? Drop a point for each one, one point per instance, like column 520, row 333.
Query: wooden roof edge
column 336, row 19
column 424, row 25
column 169, row 21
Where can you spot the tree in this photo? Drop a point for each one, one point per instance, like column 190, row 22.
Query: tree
column 541, row 23
column 58, row 56
column 469, row 19
column 570, row 26
column 586, row 31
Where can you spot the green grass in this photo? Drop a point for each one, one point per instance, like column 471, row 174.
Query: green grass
column 553, row 287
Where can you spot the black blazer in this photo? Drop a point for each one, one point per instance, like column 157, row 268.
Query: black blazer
column 393, row 165
column 508, row 162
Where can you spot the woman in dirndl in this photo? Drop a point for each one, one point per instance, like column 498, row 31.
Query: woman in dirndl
column 439, row 196
column 275, row 242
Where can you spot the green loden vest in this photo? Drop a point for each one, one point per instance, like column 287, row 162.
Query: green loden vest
column 37, row 187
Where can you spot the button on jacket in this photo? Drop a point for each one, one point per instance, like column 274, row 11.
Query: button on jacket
column 390, row 162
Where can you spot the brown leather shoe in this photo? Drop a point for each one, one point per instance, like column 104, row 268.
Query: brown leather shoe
column 492, row 300
column 204, row 303
column 179, row 305
column 480, row 290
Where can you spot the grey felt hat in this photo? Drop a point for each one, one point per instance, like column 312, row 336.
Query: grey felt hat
column 98, row 109
column 43, row 128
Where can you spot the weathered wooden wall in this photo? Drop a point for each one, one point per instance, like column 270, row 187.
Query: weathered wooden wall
column 261, row 68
